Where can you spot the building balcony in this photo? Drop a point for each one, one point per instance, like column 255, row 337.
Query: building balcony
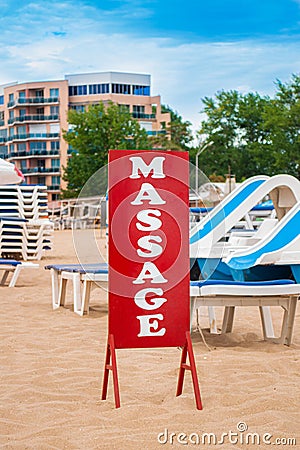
column 33, row 154
column 31, row 136
column 53, row 187
column 1, row 123
column 72, row 151
column 40, row 170
column 32, row 101
column 157, row 133
column 140, row 115
column 34, row 118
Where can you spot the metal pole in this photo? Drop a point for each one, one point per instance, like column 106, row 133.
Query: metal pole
column 197, row 168
column 197, row 164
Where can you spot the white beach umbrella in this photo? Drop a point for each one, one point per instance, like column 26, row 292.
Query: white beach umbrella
column 9, row 174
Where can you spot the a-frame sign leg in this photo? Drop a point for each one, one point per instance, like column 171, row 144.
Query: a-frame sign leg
column 188, row 350
column 111, row 364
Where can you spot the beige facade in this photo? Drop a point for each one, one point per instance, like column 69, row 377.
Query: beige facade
column 34, row 115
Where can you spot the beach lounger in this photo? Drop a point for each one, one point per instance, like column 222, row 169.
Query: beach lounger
column 15, row 267
column 231, row 294
column 87, row 275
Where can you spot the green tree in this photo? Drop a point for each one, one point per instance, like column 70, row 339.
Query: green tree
column 253, row 134
column 178, row 134
column 93, row 133
column 234, row 125
column 282, row 121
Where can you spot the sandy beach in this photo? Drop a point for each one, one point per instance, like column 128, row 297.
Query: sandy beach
column 52, row 368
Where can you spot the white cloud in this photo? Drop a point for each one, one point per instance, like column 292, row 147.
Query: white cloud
column 78, row 40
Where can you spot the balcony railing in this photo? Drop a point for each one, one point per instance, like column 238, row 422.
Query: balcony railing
column 157, row 133
column 140, row 115
column 38, row 170
column 72, row 151
column 33, row 153
column 34, row 118
column 32, row 100
column 53, row 187
column 33, row 136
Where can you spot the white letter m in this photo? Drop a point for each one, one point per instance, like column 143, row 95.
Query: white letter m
column 156, row 166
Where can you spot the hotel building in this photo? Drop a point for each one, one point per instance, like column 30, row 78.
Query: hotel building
column 33, row 116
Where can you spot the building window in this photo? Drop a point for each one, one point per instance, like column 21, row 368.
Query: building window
column 41, row 163
column 55, row 145
column 54, row 110
column 1, row 99
column 41, row 180
column 11, row 148
column 99, row 89
column 54, row 92
column 21, row 147
column 11, row 98
column 3, row 151
column 22, row 112
column 141, row 90
column 78, row 108
column 139, row 109
column 21, row 130
column 39, row 145
column 22, row 94
column 39, row 93
column 82, row 90
column 23, row 164
column 121, row 88
column 55, row 180
column 40, row 111
column 55, row 163
column 11, row 114
column 78, row 90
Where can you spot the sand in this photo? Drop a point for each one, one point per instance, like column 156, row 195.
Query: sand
column 52, row 368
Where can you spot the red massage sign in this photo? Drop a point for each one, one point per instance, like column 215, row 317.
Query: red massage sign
column 148, row 248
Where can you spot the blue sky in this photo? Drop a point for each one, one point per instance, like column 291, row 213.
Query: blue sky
column 192, row 49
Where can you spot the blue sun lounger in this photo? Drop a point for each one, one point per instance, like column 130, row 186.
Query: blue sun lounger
column 88, row 275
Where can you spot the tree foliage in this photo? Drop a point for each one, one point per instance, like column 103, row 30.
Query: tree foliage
column 253, row 134
column 100, row 128
column 178, row 130
column 95, row 131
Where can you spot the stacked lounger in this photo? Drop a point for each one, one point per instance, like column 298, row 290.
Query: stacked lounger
column 25, row 230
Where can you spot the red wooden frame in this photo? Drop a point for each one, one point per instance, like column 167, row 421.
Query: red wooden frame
column 188, row 350
column 111, row 365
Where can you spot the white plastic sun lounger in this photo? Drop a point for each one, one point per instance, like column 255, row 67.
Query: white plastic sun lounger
column 230, row 294
column 88, row 275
